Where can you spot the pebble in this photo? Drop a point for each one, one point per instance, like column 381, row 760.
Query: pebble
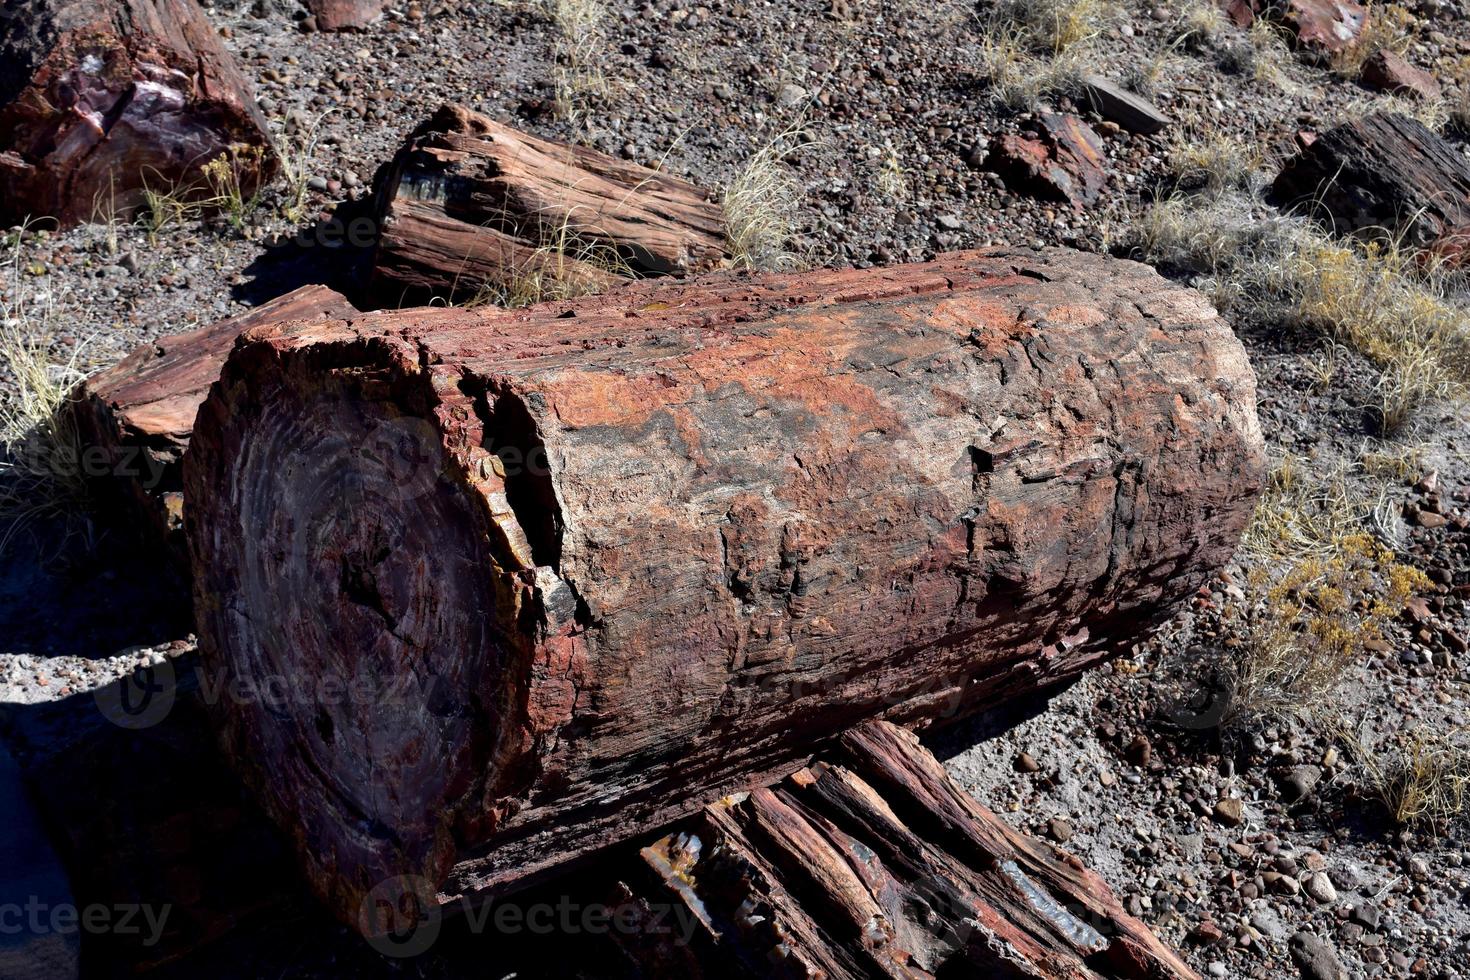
column 1319, row 886
column 1230, row 812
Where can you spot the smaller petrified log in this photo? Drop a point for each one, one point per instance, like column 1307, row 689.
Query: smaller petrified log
column 1383, row 174
column 135, row 418
column 345, row 15
column 874, row 863
column 1128, row 109
column 104, row 97
column 469, row 204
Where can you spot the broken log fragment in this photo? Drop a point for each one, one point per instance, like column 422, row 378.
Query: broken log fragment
column 469, row 206
column 578, row 570
column 873, row 862
column 134, row 419
column 1385, row 175
column 102, row 98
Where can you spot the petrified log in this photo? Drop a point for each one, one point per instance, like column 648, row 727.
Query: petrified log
column 873, row 863
column 1385, row 174
column 102, row 98
column 134, row 419
column 345, row 15
column 470, row 206
column 577, row 570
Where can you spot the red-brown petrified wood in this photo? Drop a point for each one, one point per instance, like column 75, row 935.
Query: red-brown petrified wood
column 470, row 206
column 872, row 862
column 135, row 418
column 102, row 98
column 575, row 571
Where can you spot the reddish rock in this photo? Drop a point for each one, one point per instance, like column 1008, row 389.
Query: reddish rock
column 1241, row 12
column 1325, row 26
column 1064, row 162
column 345, row 15
column 591, row 565
column 1390, row 72
column 101, row 97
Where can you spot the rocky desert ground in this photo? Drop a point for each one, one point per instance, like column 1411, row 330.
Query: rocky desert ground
column 1276, row 780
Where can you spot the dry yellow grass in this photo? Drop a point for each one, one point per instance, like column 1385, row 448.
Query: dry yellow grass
column 1034, row 48
column 1420, row 777
column 1388, row 28
column 759, row 205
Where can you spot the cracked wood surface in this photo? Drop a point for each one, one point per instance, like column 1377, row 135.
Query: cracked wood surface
column 578, row 570
column 470, row 205
column 100, row 98
column 872, row 862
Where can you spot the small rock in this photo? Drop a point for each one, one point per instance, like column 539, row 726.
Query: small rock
column 1026, row 763
column 1315, row 959
column 1230, row 812
column 1059, row 829
column 1365, row 915
column 1389, row 71
column 1139, row 751
column 1299, row 782
column 1319, row 886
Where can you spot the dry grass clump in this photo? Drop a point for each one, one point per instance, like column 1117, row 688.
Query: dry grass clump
column 1421, row 778
column 1199, row 22
column 1033, row 48
column 1387, row 302
column 1320, row 589
column 557, row 270
column 1216, row 164
column 578, row 74
column 41, row 475
column 1387, row 28
column 760, row 205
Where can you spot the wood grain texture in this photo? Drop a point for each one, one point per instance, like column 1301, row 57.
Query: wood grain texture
column 1383, row 174
column 100, row 98
column 872, row 862
column 584, row 568
column 134, row 419
column 468, row 204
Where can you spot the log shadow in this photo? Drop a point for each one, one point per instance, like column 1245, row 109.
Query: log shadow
column 335, row 251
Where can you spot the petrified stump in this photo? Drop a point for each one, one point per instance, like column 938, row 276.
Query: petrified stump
column 135, row 418
column 469, row 207
column 104, row 97
column 873, row 863
column 577, row 570
column 1384, row 174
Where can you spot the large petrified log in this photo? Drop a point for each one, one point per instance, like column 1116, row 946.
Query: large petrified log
column 574, row 571
column 135, row 418
column 469, row 206
column 100, row 98
column 873, row 863
column 1384, row 174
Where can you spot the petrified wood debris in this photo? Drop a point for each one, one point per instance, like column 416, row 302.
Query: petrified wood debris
column 134, row 419
column 1128, row 109
column 1062, row 160
column 345, row 15
column 580, row 569
column 1324, row 26
column 100, row 98
column 469, row 205
column 1384, row 174
column 1389, row 71
column 872, row 862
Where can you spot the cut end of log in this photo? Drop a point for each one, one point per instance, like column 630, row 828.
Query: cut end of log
column 363, row 558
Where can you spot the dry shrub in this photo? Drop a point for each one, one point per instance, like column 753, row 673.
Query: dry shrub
column 556, row 270
column 1216, row 164
column 1034, row 48
column 1320, row 589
